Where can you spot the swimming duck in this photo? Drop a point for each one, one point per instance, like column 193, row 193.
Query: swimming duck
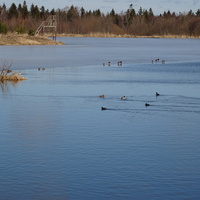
column 123, row 98
column 103, row 108
column 102, row 96
column 157, row 94
column 147, row 104
column 119, row 63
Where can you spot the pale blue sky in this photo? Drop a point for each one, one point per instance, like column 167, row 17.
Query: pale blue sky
column 158, row 6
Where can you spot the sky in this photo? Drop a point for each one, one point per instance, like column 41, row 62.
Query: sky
column 105, row 6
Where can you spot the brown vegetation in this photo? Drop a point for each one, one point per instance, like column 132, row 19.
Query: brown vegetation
column 25, row 39
column 7, row 75
column 74, row 20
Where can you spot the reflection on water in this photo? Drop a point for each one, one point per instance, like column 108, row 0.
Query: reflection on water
column 57, row 143
column 6, row 85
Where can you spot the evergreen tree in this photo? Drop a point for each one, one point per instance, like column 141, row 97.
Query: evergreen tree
column 190, row 13
column 32, row 10
column 42, row 12
column 12, row 12
column 82, row 12
column 198, row 13
column 140, row 12
column 97, row 13
column 24, row 11
column 151, row 12
column 19, row 7
column 112, row 13
column 52, row 12
column 35, row 13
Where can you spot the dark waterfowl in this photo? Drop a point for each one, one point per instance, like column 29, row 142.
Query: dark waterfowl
column 102, row 96
column 103, row 108
column 157, row 94
column 119, row 63
column 9, row 71
column 123, row 98
column 163, row 61
column 147, row 104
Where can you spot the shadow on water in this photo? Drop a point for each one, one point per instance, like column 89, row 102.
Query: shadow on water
column 6, row 86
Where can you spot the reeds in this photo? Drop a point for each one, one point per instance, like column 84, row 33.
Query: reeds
column 7, row 75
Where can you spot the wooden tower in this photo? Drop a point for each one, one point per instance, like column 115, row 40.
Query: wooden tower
column 48, row 26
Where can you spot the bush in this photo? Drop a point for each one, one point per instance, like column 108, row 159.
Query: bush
column 31, row 32
column 21, row 29
column 3, row 28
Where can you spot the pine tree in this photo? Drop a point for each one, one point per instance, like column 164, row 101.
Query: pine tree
column 24, row 11
column 12, row 12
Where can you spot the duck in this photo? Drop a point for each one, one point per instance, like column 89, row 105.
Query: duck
column 9, row 71
column 157, row 94
column 103, row 108
column 102, row 96
column 119, row 63
column 147, row 104
column 123, row 98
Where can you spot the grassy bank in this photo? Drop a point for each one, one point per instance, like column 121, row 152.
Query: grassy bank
column 110, row 35
column 16, row 39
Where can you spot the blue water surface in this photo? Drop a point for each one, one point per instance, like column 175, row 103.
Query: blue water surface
column 57, row 143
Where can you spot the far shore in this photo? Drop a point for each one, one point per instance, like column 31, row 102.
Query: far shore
column 110, row 35
column 25, row 39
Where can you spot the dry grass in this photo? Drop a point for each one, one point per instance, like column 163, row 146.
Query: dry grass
column 12, row 77
column 110, row 35
column 6, row 74
column 16, row 39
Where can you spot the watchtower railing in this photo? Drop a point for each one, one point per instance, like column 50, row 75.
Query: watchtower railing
column 50, row 24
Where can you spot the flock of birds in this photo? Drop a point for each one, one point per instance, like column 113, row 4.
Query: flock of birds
column 157, row 60
column 119, row 63
column 123, row 98
column 41, row 68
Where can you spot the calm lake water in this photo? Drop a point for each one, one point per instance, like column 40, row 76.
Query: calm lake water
column 57, row 144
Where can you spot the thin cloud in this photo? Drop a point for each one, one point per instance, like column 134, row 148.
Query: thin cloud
column 195, row 2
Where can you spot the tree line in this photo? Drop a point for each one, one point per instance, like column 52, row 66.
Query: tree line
column 75, row 20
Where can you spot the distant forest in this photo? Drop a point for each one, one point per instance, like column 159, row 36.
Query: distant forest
column 75, row 20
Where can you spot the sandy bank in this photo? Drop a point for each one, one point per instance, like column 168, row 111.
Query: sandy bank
column 16, row 39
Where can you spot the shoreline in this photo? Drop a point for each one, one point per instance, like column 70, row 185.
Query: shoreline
column 109, row 35
column 24, row 39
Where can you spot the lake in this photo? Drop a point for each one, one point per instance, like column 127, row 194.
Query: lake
column 57, row 144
